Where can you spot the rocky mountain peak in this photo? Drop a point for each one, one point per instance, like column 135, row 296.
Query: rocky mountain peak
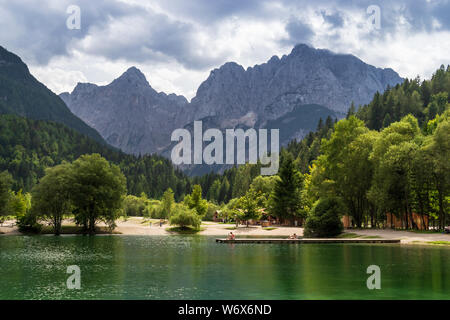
column 135, row 118
column 133, row 76
column 302, row 48
column 232, row 66
column 228, row 69
column 128, row 112
column 84, row 87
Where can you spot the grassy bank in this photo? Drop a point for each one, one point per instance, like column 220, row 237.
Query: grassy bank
column 73, row 229
column 184, row 230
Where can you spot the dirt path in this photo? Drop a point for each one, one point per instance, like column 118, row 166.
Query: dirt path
column 404, row 236
column 9, row 228
column 139, row 226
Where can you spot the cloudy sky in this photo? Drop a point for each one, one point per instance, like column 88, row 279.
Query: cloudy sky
column 177, row 42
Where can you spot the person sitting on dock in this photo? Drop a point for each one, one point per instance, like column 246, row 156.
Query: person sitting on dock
column 293, row 236
column 231, row 236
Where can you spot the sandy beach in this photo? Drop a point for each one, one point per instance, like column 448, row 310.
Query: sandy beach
column 137, row 226
column 140, row 226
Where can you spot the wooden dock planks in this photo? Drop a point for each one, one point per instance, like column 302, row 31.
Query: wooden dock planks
column 301, row 241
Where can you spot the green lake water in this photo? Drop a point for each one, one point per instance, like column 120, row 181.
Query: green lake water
column 196, row 267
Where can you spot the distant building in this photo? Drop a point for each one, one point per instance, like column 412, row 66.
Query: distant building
column 394, row 222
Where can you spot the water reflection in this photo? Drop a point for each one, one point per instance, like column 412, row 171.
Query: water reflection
column 196, row 267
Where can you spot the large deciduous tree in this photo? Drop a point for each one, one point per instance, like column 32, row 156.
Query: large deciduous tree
column 51, row 198
column 392, row 156
column 346, row 164
column 437, row 148
column 167, row 203
column 98, row 189
column 249, row 206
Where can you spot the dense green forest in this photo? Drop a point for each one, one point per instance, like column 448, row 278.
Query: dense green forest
column 423, row 99
column 28, row 147
column 234, row 182
column 399, row 145
column 388, row 157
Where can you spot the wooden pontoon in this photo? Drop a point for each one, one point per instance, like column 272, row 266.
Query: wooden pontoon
column 305, row 240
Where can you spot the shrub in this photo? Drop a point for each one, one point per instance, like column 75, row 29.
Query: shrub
column 28, row 224
column 133, row 206
column 324, row 219
column 212, row 208
column 185, row 217
column 155, row 211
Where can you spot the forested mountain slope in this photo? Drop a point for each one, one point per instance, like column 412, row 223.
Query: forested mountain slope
column 23, row 95
column 28, row 146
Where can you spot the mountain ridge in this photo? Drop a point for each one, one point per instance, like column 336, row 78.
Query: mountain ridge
column 263, row 93
column 22, row 94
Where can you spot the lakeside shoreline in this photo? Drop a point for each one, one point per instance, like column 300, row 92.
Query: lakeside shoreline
column 140, row 226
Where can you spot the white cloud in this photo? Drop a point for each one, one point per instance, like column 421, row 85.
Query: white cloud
column 60, row 80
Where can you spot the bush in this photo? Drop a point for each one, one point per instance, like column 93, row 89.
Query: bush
column 155, row 210
column 28, row 224
column 212, row 208
column 185, row 217
column 324, row 219
column 133, row 206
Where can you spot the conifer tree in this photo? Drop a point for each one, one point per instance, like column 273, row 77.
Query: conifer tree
column 286, row 197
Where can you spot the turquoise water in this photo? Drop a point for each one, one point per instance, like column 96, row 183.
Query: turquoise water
column 196, row 267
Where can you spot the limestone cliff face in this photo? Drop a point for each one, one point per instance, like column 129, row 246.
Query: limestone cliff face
column 305, row 76
column 132, row 116
column 128, row 112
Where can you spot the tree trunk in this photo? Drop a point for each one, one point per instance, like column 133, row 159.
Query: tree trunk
column 58, row 227
column 441, row 210
column 406, row 219
column 371, row 221
column 423, row 221
column 91, row 225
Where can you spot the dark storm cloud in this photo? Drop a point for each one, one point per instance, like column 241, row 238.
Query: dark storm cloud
column 335, row 19
column 152, row 38
column 211, row 11
column 172, row 34
column 44, row 24
column 46, row 34
column 419, row 14
column 442, row 13
column 298, row 32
